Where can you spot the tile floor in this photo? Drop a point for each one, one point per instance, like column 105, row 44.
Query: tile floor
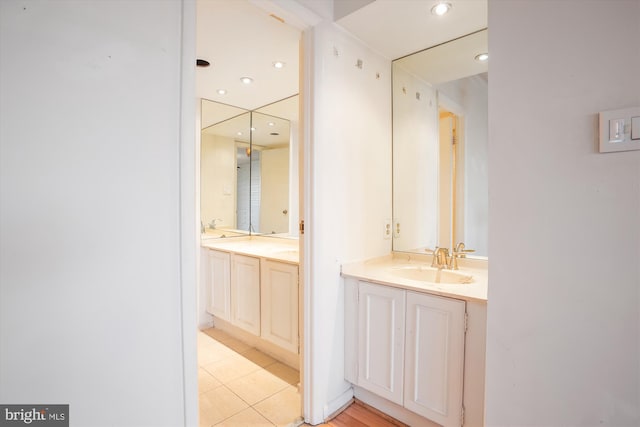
column 241, row 386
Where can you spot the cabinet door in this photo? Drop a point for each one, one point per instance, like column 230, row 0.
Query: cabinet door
column 245, row 293
column 218, row 297
column 381, row 311
column 435, row 357
column 279, row 308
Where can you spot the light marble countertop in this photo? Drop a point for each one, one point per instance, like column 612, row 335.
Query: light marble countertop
column 277, row 249
column 384, row 271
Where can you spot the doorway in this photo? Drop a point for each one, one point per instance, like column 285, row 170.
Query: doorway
column 238, row 382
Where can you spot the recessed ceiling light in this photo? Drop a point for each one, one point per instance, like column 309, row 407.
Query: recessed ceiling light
column 239, row 133
column 202, row 63
column 482, row 57
column 221, row 91
column 278, row 64
column 441, row 8
column 246, row 80
column 271, row 124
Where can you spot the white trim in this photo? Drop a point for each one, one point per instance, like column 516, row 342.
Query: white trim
column 303, row 19
column 394, row 410
column 332, row 408
column 310, row 413
column 188, row 227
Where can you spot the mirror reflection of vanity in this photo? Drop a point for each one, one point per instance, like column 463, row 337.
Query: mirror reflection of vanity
column 249, row 169
column 440, row 191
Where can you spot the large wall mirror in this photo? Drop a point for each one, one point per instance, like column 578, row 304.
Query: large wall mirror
column 440, row 191
column 248, row 170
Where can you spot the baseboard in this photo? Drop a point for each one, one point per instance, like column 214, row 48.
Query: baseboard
column 338, row 404
column 278, row 353
column 205, row 321
column 396, row 411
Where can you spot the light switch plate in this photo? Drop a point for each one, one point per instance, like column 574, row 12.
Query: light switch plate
column 617, row 130
column 387, row 229
column 635, row 128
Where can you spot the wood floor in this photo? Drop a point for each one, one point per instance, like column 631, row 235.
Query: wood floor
column 359, row 414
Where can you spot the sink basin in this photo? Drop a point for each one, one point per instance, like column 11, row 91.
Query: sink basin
column 433, row 275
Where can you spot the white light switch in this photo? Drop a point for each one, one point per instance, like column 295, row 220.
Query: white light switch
column 616, row 130
column 620, row 130
column 635, row 128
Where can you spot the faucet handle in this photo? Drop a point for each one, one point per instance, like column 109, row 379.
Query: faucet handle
column 433, row 252
column 460, row 250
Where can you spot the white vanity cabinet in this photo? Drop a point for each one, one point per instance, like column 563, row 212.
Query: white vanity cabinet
column 381, row 317
column 218, row 283
column 407, row 347
column 250, row 286
column 245, row 293
column 434, row 361
column 279, row 304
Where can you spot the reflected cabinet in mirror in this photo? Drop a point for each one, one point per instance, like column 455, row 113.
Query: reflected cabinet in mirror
column 440, row 192
column 246, row 172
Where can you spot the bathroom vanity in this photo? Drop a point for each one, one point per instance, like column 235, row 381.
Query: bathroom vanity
column 415, row 338
column 252, row 292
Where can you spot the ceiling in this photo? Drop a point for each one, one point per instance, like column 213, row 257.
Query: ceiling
column 395, row 28
column 240, row 39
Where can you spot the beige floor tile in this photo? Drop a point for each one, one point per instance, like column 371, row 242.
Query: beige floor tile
column 219, row 404
column 208, row 354
column 258, row 357
column 206, row 381
column 282, row 408
column 231, row 368
column 248, row 417
column 210, row 350
column 284, row 372
column 257, row 386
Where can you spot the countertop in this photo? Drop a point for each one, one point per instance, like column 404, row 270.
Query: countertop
column 277, row 249
column 381, row 271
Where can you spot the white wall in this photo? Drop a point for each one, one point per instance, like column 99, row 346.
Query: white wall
column 218, row 180
column 351, row 192
column 563, row 314
column 90, row 297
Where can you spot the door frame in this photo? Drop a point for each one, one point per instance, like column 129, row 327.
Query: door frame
column 189, row 209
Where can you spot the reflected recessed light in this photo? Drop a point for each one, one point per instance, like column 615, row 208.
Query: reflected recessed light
column 441, row 8
column 246, row 80
column 239, row 133
column 482, row 57
column 252, row 129
column 271, row 124
column 278, row 64
column 221, row 91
